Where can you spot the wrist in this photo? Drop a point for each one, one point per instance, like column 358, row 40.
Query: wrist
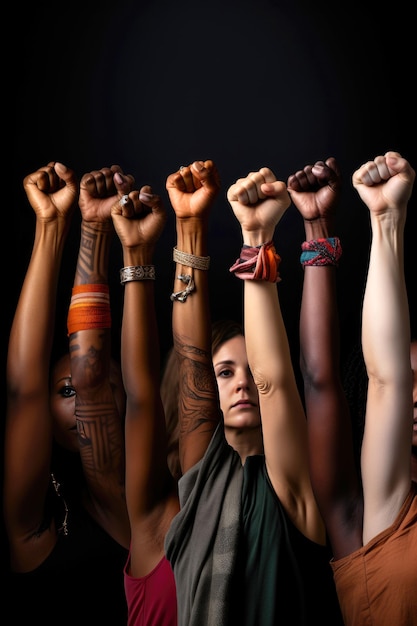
column 105, row 226
column 192, row 243
column 191, row 231
column 318, row 228
column 388, row 221
column 257, row 238
column 137, row 256
column 55, row 231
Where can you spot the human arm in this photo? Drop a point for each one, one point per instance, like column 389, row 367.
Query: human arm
column 192, row 191
column 52, row 192
column 258, row 202
column 150, row 489
column 99, row 399
column 385, row 185
column 315, row 192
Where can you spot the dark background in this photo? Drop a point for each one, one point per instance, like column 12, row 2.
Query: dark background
column 154, row 85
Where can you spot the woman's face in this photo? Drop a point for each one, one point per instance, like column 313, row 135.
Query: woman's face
column 237, row 390
column 62, row 401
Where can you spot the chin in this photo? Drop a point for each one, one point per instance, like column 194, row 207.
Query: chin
column 243, row 421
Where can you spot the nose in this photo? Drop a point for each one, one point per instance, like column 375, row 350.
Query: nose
column 243, row 380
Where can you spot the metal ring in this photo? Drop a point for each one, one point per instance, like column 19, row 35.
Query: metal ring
column 124, row 200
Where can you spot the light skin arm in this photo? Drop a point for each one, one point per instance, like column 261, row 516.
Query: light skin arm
column 99, row 413
column 192, row 192
column 258, row 202
column 150, row 489
column 385, row 185
column 53, row 193
column 315, row 192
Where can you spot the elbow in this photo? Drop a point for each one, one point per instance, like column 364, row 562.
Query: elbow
column 317, row 374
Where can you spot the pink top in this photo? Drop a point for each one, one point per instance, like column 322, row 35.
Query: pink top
column 151, row 600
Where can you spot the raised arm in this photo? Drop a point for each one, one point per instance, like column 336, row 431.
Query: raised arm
column 192, row 191
column 315, row 191
column 150, row 489
column 99, row 400
column 385, row 185
column 53, row 193
column 258, row 202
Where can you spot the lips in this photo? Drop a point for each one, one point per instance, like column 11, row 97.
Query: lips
column 244, row 403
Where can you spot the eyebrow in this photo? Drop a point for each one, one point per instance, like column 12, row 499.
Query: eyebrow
column 61, row 379
column 225, row 362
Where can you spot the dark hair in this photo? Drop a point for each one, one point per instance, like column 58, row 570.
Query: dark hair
column 169, row 396
column 355, row 384
column 223, row 330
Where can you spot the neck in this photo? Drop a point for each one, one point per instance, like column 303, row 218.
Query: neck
column 246, row 441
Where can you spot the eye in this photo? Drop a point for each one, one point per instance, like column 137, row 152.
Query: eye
column 66, row 391
column 224, row 373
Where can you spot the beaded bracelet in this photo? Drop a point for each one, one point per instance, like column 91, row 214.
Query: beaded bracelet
column 323, row 251
column 137, row 272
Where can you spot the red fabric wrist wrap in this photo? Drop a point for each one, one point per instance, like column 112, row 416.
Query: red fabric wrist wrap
column 258, row 263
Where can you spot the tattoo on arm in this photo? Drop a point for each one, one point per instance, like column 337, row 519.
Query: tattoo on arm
column 198, row 406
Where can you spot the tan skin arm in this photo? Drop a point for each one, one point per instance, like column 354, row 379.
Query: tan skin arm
column 53, row 193
column 192, row 191
column 258, row 202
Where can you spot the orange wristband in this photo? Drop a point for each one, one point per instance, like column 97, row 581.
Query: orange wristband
column 89, row 308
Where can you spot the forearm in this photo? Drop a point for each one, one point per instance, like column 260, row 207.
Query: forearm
column 319, row 326
column 191, row 325
column 192, row 239
column 266, row 338
column 385, row 321
column 331, row 452
column 31, row 334
column 140, row 340
column 90, row 313
column 93, row 257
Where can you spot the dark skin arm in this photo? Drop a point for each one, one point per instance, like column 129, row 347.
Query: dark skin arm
column 315, row 191
column 99, row 404
column 53, row 193
column 151, row 493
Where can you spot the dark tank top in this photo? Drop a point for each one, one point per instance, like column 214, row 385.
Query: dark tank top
column 79, row 583
column 289, row 577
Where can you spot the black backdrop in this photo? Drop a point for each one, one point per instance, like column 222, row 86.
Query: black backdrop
column 152, row 85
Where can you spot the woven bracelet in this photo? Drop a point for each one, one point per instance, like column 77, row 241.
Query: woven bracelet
column 191, row 260
column 324, row 251
column 137, row 272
